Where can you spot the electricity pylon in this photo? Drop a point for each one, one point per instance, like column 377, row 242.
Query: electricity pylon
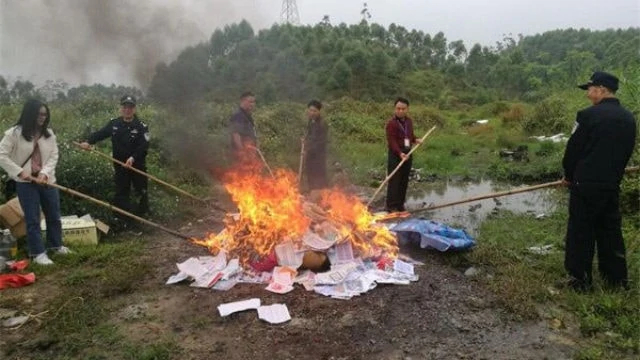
column 289, row 13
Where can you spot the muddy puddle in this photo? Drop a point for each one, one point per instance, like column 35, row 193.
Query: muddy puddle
column 470, row 215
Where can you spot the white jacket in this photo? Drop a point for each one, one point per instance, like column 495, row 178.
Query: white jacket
column 14, row 150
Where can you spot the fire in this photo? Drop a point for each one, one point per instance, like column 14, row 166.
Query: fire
column 357, row 224
column 272, row 210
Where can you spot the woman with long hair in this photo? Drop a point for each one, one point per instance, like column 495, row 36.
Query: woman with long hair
column 29, row 154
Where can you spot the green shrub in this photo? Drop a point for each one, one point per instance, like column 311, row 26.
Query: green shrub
column 548, row 117
column 515, row 116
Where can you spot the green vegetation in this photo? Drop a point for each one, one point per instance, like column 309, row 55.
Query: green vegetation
column 91, row 287
column 523, row 87
column 369, row 62
column 525, row 282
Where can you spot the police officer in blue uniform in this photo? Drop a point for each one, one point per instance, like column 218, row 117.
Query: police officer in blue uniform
column 594, row 161
column 130, row 142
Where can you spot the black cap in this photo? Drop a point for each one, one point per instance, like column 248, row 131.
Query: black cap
column 128, row 99
column 601, row 78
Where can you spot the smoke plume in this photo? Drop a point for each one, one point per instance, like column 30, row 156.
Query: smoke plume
column 110, row 41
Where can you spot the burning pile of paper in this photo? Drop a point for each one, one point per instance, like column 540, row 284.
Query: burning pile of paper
column 278, row 236
column 347, row 276
column 272, row 212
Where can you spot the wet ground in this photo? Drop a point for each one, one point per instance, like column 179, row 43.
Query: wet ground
column 470, row 215
column 445, row 315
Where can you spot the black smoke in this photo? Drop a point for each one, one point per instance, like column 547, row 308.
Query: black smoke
column 111, row 41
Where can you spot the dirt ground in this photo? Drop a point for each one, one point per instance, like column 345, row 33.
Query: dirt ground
column 445, row 315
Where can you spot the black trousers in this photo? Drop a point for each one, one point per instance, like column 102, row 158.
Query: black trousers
column 397, row 185
column 124, row 180
column 595, row 222
column 315, row 170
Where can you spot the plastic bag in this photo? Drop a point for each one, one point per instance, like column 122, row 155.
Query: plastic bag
column 432, row 234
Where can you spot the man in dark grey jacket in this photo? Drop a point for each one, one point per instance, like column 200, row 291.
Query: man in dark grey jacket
column 243, row 132
column 594, row 161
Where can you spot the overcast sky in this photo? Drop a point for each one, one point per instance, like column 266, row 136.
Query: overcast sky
column 480, row 21
column 120, row 41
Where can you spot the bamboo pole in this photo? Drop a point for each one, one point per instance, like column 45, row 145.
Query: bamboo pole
column 118, row 210
column 505, row 193
column 263, row 160
column 144, row 174
column 493, row 195
column 399, row 165
column 301, row 160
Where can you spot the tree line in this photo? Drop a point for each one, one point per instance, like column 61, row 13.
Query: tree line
column 368, row 62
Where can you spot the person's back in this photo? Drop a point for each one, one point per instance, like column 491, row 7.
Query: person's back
column 610, row 141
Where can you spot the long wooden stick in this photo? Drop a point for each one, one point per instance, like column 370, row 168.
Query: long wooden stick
column 504, row 193
column 301, row 160
column 263, row 160
column 400, row 165
column 144, row 174
column 118, row 210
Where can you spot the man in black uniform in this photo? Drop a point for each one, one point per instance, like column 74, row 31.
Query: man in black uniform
column 315, row 144
column 594, row 161
column 130, row 142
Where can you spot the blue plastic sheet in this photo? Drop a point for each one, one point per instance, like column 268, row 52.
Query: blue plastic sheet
column 433, row 234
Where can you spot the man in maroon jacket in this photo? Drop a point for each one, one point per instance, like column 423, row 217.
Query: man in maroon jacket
column 400, row 137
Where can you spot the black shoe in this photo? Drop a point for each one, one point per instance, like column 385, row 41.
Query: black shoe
column 574, row 284
column 620, row 285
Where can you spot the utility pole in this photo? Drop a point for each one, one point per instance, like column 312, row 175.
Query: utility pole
column 289, row 13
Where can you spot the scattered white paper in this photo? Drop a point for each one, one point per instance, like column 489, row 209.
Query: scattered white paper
column 279, row 288
column 274, row 314
column 225, row 285
column 403, row 267
column 283, row 275
column 232, row 307
column 384, row 277
column 214, row 263
column 15, row 321
column 336, row 275
column 232, row 268
column 282, row 280
column 174, row 279
column 555, row 138
column 410, row 260
column 541, row 250
column 317, row 242
column 344, row 252
column 251, row 277
column 306, row 279
column 192, row 267
column 205, row 270
column 207, row 280
column 287, row 255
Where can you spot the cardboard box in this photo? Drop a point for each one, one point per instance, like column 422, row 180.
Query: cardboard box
column 75, row 231
column 12, row 218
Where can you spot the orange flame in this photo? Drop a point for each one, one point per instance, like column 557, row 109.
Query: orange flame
column 271, row 211
column 358, row 225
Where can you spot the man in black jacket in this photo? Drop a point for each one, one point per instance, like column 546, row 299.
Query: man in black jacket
column 594, row 161
column 130, row 142
column 315, row 144
column 243, row 130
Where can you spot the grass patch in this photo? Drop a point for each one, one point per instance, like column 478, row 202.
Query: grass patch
column 90, row 285
column 608, row 320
